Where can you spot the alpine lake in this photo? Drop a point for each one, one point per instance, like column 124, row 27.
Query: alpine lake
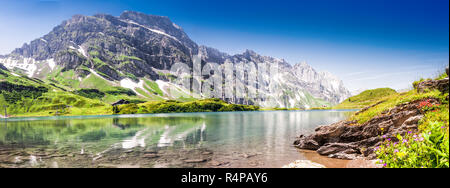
column 185, row 140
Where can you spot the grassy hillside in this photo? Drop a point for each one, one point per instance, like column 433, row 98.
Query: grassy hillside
column 394, row 100
column 24, row 96
column 171, row 106
column 366, row 98
column 428, row 148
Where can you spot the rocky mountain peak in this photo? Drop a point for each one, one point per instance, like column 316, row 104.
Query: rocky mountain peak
column 138, row 46
column 250, row 53
column 304, row 66
column 213, row 55
column 161, row 23
column 144, row 18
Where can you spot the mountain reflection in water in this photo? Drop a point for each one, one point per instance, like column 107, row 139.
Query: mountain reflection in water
column 238, row 139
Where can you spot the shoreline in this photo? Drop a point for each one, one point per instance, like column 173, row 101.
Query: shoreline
column 105, row 115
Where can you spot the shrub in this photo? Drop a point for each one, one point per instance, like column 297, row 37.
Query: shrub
column 90, row 93
column 171, row 106
column 126, row 109
column 121, row 91
column 13, row 92
column 442, row 76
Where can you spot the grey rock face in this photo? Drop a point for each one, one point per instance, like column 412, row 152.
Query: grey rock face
column 3, row 67
column 145, row 38
column 300, row 77
column 322, row 84
column 441, row 85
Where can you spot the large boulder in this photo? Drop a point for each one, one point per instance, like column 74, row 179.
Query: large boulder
column 441, row 85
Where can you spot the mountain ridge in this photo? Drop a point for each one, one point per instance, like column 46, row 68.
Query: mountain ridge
column 142, row 48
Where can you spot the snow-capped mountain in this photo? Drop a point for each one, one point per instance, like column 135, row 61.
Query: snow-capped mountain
column 136, row 50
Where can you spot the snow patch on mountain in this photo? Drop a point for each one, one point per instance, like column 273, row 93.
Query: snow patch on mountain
column 28, row 65
column 82, row 51
column 130, row 84
column 152, row 30
column 101, row 77
column 51, row 64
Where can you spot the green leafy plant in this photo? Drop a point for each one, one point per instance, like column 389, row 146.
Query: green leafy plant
column 427, row 149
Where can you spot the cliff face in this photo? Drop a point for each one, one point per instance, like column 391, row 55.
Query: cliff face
column 137, row 46
column 322, row 84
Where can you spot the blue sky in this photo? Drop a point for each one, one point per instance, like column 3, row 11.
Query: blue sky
column 368, row 44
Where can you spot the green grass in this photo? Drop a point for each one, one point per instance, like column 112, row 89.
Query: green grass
column 94, row 82
column 21, row 79
column 315, row 102
column 124, row 58
column 98, row 62
column 90, row 93
column 366, row 98
column 67, row 79
column 142, row 92
column 62, row 102
column 93, row 96
column 429, row 148
column 26, row 101
column 176, row 93
column 442, row 76
column 439, row 77
column 153, row 87
column 94, row 53
column 392, row 101
column 131, row 76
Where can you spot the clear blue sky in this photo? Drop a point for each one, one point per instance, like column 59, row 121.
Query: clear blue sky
column 367, row 43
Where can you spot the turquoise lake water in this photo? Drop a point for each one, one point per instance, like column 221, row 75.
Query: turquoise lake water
column 236, row 139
